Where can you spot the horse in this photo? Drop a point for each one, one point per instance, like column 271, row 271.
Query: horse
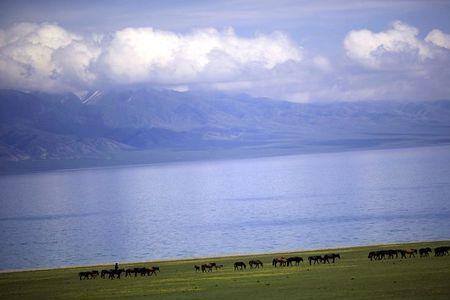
column 113, row 273
column 326, row 258
column 315, row 258
column 239, row 265
column 156, row 268
column 441, row 251
column 131, row 270
column 425, row 252
column 378, row 255
column 84, row 275
column 206, row 266
column 255, row 263
column 296, row 259
column 154, row 271
column 197, row 268
column 391, row 253
column 146, row 271
column 411, row 252
column 103, row 273
column 279, row 260
column 94, row 274
column 402, row 253
column 216, row 266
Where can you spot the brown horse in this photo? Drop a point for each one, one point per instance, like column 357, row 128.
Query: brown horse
column 411, row 252
column 197, row 268
column 279, row 261
column 146, row 271
column 94, row 274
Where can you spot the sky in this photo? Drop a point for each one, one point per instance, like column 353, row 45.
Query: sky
column 301, row 51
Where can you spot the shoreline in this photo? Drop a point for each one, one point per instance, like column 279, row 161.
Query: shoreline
column 191, row 157
column 175, row 260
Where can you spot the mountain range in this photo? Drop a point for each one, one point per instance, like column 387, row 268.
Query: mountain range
column 125, row 125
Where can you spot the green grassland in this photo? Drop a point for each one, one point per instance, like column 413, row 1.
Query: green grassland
column 353, row 277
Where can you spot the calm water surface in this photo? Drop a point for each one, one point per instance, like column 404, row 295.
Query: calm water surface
column 224, row 207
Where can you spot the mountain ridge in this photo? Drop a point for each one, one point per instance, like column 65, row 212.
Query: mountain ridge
column 105, row 124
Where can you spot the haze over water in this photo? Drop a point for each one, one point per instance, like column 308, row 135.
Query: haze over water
column 211, row 208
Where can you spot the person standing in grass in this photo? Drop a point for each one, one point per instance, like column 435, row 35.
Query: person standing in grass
column 116, row 266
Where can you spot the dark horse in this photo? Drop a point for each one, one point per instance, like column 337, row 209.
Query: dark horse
column 296, row 259
column 279, row 261
column 207, row 266
column 315, row 258
column 326, row 258
column 425, row 252
column 115, row 273
column 130, row 271
column 197, row 268
column 239, row 265
column 255, row 263
column 103, row 273
column 86, row 275
column 441, row 251
column 156, row 268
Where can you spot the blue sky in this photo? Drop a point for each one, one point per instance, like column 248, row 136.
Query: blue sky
column 302, row 51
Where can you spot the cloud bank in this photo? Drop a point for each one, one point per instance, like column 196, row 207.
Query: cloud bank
column 392, row 64
column 47, row 57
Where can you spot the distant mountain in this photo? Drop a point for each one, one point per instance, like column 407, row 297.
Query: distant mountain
column 107, row 124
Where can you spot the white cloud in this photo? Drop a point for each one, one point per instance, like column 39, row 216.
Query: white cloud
column 44, row 57
column 391, row 64
column 149, row 55
column 48, row 57
column 438, row 38
column 398, row 45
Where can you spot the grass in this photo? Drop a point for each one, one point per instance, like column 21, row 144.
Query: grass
column 353, row 277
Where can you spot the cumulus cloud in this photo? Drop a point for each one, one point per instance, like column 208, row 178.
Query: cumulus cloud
column 438, row 38
column 391, row 64
column 48, row 57
column 203, row 55
column 383, row 49
column 44, row 57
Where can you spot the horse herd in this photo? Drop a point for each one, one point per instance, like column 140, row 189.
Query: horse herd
column 276, row 262
column 423, row 252
column 116, row 273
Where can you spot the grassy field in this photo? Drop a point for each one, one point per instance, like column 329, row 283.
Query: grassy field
column 353, row 277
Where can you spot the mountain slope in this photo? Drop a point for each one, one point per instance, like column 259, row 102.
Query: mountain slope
column 110, row 123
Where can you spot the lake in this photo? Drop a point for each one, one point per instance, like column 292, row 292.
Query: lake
column 206, row 208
